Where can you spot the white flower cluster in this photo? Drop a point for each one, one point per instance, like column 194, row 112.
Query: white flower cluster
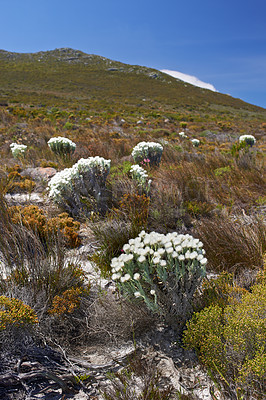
column 195, row 142
column 140, row 175
column 150, row 150
column 63, row 181
column 18, row 150
column 157, row 250
column 61, row 145
column 249, row 139
column 182, row 134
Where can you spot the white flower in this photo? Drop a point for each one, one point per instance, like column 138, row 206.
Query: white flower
column 169, row 250
column 174, row 254
column 156, row 260
column 163, row 263
column 136, row 276
column 181, row 257
column 137, row 294
column 203, row 261
column 152, row 292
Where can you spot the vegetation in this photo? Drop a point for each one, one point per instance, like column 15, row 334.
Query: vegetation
column 206, row 184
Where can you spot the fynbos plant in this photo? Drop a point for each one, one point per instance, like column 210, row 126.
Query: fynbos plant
column 62, row 146
column 148, row 151
column 141, row 177
column 163, row 271
column 248, row 139
column 18, row 150
column 76, row 189
column 195, row 142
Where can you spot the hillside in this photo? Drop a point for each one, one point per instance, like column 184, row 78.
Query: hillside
column 72, row 77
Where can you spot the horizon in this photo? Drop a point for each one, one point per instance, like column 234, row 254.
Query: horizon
column 219, row 44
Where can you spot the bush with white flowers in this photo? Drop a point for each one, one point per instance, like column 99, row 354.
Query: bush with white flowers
column 18, row 150
column 140, row 175
column 195, row 142
column 248, row 139
column 62, row 146
column 74, row 188
column 148, row 150
column 163, row 271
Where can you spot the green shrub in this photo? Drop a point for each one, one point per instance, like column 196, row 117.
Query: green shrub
column 231, row 341
column 14, row 313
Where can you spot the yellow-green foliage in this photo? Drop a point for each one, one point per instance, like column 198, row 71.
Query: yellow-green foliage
column 231, row 340
column 14, row 313
column 34, row 218
column 220, row 291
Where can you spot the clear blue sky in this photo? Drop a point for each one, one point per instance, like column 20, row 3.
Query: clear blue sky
column 222, row 42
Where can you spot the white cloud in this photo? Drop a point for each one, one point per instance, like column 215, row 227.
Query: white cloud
column 190, row 79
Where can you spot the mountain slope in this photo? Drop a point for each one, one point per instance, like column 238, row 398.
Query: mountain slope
column 66, row 77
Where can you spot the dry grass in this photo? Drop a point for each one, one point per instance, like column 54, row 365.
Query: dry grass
column 233, row 244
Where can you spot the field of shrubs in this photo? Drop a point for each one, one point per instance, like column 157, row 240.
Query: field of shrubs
column 171, row 213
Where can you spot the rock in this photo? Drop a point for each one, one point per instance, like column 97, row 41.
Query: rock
column 39, row 173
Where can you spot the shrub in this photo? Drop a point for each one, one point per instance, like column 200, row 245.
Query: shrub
column 148, row 150
column 231, row 342
column 62, row 146
column 248, row 139
column 67, row 302
column 195, row 142
column 163, row 271
column 77, row 189
column 18, row 150
column 35, row 219
column 14, row 313
column 141, row 177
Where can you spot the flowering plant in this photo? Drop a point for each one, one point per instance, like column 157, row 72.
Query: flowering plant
column 195, row 142
column 248, row 139
column 140, row 176
column 182, row 134
column 85, row 179
column 18, row 150
column 163, row 271
column 147, row 151
column 61, row 146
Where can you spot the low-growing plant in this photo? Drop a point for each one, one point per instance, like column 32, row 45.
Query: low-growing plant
column 18, row 150
column 148, row 150
column 195, row 142
column 231, row 342
column 248, row 139
column 139, row 380
column 141, row 177
column 35, row 219
column 162, row 271
column 62, row 146
column 81, row 189
column 14, row 313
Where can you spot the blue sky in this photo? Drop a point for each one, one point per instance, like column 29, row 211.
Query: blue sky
column 220, row 42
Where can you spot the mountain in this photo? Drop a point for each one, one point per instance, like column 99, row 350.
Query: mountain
column 68, row 77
